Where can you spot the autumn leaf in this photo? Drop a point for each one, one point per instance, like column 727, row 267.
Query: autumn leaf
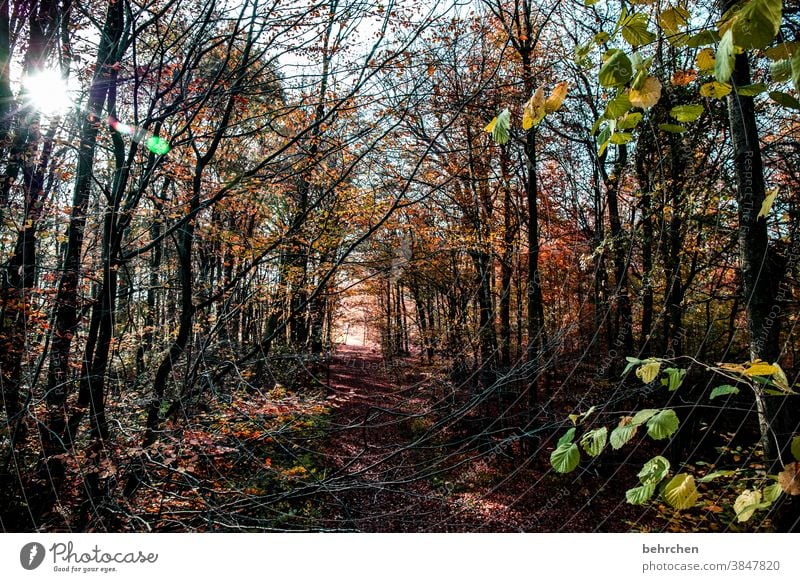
column 681, row 492
column 648, row 371
column 759, row 368
column 683, row 78
column 556, row 99
column 648, row 95
column 767, row 204
column 789, row 478
column 705, row 60
column 746, row 504
column 715, row 90
column 534, row 110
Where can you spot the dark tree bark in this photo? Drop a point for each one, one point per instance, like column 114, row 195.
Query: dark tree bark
column 506, row 261
column 778, row 416
column 622, row 330
column 66, row 303
column 30, row 156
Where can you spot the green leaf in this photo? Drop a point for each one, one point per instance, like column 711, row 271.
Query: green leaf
column 603, row 139
column 796, row 448
column 643, row 416
column 751, row 90
column 567, row 437
column 711, row 476
column 663, row 425
column 565, row 458
column 601, row 37
column 784, row 50
column 620, row 138
column 772, row 492
column 746, row 504
column 723, row 66
column 634, row 30
column 703, row 38
column 639, row 80
column 672, row 128
column 618, row 106
column 582, row 51
column 500, row 127
column 784, row 99
column 723, row 390
column 796, row 71
column 588, row 413
column 632, row 362
column 674, row 378
column 715, row 90
column 654, row 471
column 681, row 492
column 629, row 121
column 594, row 441
column 616, row 70
column 621, row 435
column 640, row 495
column 686, row 113
column 781, row 70
column 754, row 23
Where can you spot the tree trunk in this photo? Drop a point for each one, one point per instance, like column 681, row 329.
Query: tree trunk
column 66, row 301
column 623, row 328
column 536, row 333
column 760, row 280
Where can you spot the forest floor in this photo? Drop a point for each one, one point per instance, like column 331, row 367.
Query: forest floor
column 398, row 459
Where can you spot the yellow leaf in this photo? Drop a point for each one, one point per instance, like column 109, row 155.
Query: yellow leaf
column 738, row 368
column 534, row 110
column 705, row 60
column 648, row 95
column 490, row 127
column 715, row 90
column 557, row 97
column 648, row 371
column 746, row 504
column 681, row 491
column 759, row 368
column 767, row 204
column 779, row 378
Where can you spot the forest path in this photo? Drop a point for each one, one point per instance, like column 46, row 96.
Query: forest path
column 374, row 408
column 392, row 466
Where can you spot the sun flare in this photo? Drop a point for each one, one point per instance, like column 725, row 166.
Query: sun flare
column 47, row 92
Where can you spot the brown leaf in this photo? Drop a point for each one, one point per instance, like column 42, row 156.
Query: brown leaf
column 789, row 479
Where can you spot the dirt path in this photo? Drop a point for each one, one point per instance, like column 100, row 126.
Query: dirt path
column 393, row 466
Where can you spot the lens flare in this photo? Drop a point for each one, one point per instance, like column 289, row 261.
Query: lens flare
column 157, row 145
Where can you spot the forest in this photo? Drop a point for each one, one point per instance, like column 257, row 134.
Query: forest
column 387, row 266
